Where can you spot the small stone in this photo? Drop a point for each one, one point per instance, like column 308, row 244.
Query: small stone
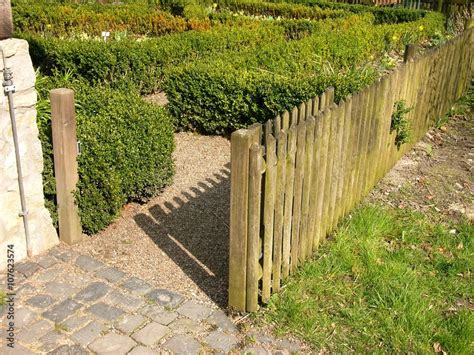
column 88, row 334
column 112, row 344
column 221, row 341
column 162, row 316
column 288, row 345
column 110, row 274
column 265, row 339
column 136, row 285
column 105, row 311
column 165, row 298
column 67, row 255
column 186, row 325
column 62, row 310
column 88, row 264
column 194, row 310
column 23, row 317
column 40, row 301
column 150, row 334
column 47, row 261
column 222, row 322
column 74, row 322
column 183, row 344
column 127, row 302
column 69, row 350
column 130, row 322
column 255, row 351
column 28, row 268
column 50, row 341
column 92, row 292
column 34, row 331
column 142, row 350
column 59, row 289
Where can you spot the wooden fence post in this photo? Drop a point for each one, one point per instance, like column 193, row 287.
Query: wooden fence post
column 410, row 51
column 63, row 122
column 6, row 21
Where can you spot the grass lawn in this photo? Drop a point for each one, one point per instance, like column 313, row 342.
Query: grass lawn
column 391, row 280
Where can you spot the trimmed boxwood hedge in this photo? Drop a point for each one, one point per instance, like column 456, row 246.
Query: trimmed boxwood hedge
column 233, row 90
column 126, row 144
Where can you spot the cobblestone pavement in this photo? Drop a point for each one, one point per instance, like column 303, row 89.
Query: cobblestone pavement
column 67, row 303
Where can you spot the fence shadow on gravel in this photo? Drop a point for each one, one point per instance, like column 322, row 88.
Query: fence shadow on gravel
column 195, row 233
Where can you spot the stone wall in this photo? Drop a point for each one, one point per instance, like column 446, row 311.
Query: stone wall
column 42, row 233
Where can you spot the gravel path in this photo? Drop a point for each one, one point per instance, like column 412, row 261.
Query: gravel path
column 178, row 240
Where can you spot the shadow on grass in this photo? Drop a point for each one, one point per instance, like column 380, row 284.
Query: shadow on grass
column 195, row 233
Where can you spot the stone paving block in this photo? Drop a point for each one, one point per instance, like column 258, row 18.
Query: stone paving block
column 69, row 350
column 292, row 347
column 48, row 275
column 86, row 263
column 88, row 334
column 165, row 298
column 60, row 289
column 221, row 341
column 130, row 322
column 23, row 317
column 255, row 351
column 28, row 268
column 92, row 292
column 76, row 321
column 142, row 350
column 136, row 285
column 46, row 261
column 113, row 344
column 34, row 331
column 17, row 350
column 51, row 341
column 124, row 301
column 182, row 344
column 110, row 274
column 40, row 301
column 194, row 310
column 186, row 325
column 62, row 310
column 222, row 322
column 150, row 334
column 25, row 290
column 105, row 311
column 64, row 255
column 162, row 316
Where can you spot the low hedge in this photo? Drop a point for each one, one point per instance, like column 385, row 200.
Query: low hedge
column 69, row 19
column 141, row 63
column 126, row 144
column 228, row 92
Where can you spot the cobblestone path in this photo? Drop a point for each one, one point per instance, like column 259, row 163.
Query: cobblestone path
column 68, row 303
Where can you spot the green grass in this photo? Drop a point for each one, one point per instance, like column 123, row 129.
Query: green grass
column 389, row 281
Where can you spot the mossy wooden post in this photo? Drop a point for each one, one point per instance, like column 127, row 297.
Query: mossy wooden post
column 241, row 141
column 329, row 185
column 289, row 186
column 6, row 21
column 338, row 118
column 279, row 208
column 346, row 157
column 256, row 168
column 268, row 215
column 410, row 52
column 285, row 120
column 356, row 135
column 63, row 125
column 298, row 194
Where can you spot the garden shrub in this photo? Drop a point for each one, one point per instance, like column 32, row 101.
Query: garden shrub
column 233, row 90
column 126, row 149
column 141, row 63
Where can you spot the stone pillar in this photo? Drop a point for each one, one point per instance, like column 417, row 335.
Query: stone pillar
column 42, row 233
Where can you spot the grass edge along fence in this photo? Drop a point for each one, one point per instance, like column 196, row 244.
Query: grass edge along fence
column 296, row 176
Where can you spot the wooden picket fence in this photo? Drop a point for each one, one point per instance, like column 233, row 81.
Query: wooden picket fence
column 294, row 177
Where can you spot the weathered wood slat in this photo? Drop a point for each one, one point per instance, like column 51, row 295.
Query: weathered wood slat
column 256, row 168
column 268, row 215
column 279, row 209
column 288, row 213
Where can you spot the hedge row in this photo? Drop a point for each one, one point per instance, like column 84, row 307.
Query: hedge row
column 126, row 145
column 228, row 92
column 69, row 19
column 142, row 63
